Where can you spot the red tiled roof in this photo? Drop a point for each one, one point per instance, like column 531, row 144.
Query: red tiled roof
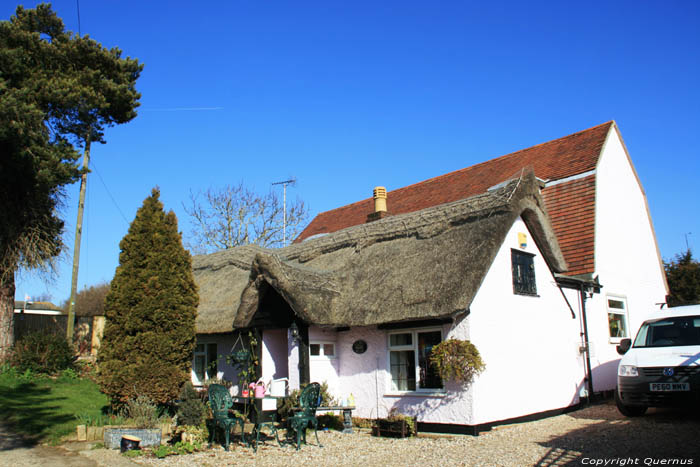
column 570, row 204
column 571, row 207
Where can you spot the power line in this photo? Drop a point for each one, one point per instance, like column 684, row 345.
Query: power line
column 92, row 163
column 78, row 5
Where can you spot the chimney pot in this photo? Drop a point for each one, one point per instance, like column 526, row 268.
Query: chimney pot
column 380, row 199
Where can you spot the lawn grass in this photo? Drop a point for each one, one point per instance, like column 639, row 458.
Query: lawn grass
column 44, row 409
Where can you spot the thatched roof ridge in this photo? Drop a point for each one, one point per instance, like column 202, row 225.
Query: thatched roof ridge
column 424, row 264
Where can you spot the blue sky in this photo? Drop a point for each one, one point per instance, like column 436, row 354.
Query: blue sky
column 345, row 96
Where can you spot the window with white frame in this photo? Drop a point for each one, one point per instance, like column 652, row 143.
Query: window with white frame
column 322, row 349
column 617, row 317
column 409, row 360
column 204, row 363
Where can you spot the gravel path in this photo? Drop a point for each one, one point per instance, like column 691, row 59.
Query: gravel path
column 590, row 436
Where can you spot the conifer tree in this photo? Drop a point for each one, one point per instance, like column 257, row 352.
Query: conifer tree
column 151, row 307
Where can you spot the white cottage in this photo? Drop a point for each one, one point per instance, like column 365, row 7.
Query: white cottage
column 544, row 258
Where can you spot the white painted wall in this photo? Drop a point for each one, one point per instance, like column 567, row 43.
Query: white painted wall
column 626, row 256
column 274, row 354
column 529, row 344
column 321, row 368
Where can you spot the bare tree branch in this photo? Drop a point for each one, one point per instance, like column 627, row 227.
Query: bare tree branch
column 235, row 215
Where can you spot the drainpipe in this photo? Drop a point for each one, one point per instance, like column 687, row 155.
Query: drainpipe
column 587, row 350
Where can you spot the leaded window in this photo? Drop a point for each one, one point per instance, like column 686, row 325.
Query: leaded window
column 523, row 266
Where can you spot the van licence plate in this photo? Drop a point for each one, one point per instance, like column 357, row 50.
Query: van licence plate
column 662, row 387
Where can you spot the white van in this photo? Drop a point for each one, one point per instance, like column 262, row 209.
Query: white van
column 662, row 367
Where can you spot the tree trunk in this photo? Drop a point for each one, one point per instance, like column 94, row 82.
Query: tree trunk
column 7, row 315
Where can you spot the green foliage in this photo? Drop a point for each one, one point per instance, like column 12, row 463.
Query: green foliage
column 142, row 412
column 329, row 420
column 40, row 352
column 192, row 434
column 395, row 416
column 191, row 408
column 44, row 409
column 362, row 422
column 69, row 374
column 57, row 90
column 457, row 360
column 683, row 277
column 244, row 358
column 133, row 453
column 90, row 301
column 177, row 449
column 91, row 419
column 285, row 406
column 150, row 310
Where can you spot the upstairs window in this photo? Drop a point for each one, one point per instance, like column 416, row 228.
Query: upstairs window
column 523, row 266
column 617, row 318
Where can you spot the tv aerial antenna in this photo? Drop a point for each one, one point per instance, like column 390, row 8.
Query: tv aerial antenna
column 284, row 184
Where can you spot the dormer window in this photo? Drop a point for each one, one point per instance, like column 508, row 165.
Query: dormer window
column 523, row 266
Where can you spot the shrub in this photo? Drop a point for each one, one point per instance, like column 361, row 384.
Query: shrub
column 284, row 408
column 150, row 310
column 42, row 353
column 142, row 412
column 332, row 421
column 457, row 360
column 190, row 409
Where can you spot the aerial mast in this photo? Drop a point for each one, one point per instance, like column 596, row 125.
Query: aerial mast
column 284, row 204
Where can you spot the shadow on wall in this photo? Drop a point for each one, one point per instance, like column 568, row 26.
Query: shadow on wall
column 421, row 407
column 606, row 370
column 605, row 376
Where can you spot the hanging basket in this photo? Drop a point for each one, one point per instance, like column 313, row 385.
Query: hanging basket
column 240, row 356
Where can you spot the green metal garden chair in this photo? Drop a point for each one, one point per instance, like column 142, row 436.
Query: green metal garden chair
column 309, row 401
column 220, row 402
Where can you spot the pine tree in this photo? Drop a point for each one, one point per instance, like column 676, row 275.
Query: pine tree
column 151, row 307
column 683, row 277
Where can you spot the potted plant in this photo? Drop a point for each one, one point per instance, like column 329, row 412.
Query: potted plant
column 457, row 360
column 395, row 425
column 142, row 423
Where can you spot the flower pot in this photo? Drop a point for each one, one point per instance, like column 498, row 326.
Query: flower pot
column 129, row 443
column 148, row 437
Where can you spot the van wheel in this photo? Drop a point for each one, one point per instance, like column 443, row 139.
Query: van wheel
column 629, row 410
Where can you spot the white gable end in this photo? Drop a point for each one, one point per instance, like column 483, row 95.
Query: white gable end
column 528, row 342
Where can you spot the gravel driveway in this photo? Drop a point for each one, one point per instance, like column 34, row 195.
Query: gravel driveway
column 590, row 436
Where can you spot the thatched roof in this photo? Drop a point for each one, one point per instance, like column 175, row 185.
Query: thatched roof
column 421, row 265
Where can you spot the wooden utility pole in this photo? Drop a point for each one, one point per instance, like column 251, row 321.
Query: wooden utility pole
column 76, row 246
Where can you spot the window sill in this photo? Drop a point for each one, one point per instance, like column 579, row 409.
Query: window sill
column 615, row 340
column 523, row 294
column 433, row 394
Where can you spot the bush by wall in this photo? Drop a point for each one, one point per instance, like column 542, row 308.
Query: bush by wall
column 190, row 408
column 40, row 352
